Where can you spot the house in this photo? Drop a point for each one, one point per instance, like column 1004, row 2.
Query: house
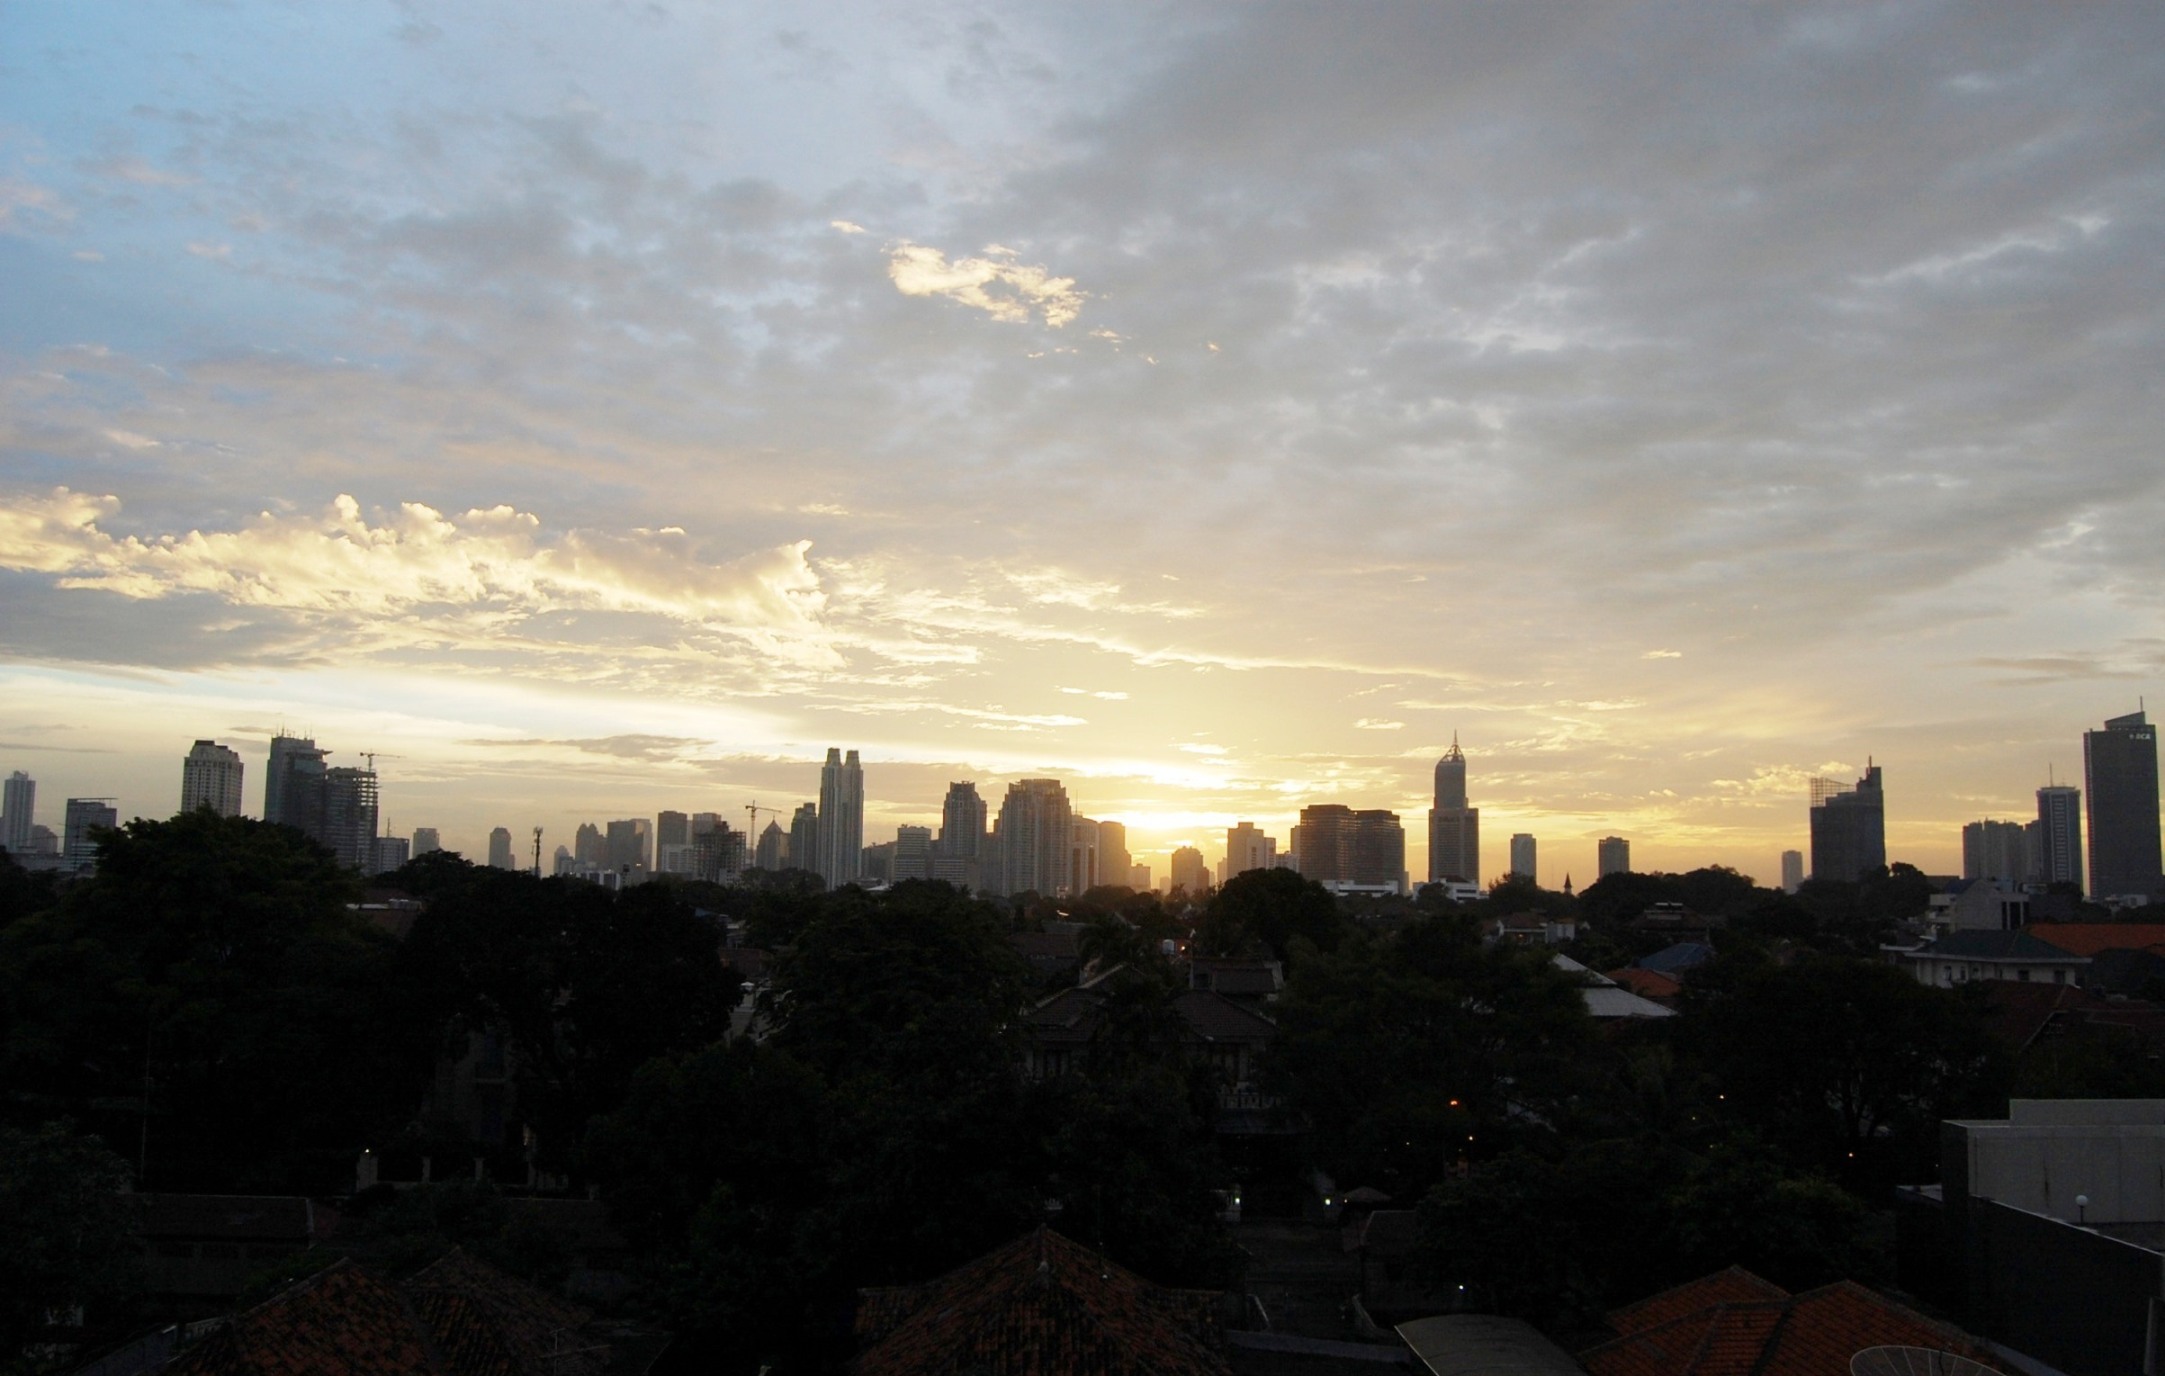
column 1606, row 1001
column 1060, row 1028
column 1040, row 1306
column 455, row 1317
column 1676, row 959
column 1733, row 1321
column 1963, row 956
column 1980, row 905
column 1651, row 985
column 1529, row 929
column 200, row 1249
column 1253, row 983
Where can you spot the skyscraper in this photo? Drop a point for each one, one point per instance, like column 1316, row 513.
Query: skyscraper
column 1849, row 827
column 841, row 819
column 1612, row 856
column 589, row 846
column 1082, row 864
column 773, row 850
column 1995, row 850
column 717, row 849
column 211, row 777
column 1523, row 861
column 293, row 784
column 18, row 809
column 85, row 815
column 913, row 854
column 673, row 842
column 500, row 850
column 1454, row 829
column 627, row 845
column 1792, row 870
column 2120, row 772
column 1114, row 862
column 1247, row 847
column 1189, row 872
column 348, row 821
column 1033, row 834
column 391, row 852
column 425, row 840
column 1334, row 844
column 804, row 838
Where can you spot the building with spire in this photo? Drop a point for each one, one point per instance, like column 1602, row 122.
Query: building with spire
column 1454, row 829
column 840, row 839
column 2120, row 771
column 772, row 851
column 210, row 777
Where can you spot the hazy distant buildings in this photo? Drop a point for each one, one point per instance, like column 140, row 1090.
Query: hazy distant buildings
column 626, row 846
column 1339, row 847
column 1612, row 855
column 1524, row 861
column 500, row 849
column 18, row 808
column 716, row 851
column 772, row 852
column 1454, row 829
column 913, row 854
column 2120, row 772
column 1139, row 878
column 293, row 784
column 961, row 849
column 391, row 852
column 210, row 777
column 348, row 825
column 589, row 846
column 1031, row 839
column 1082, row 864
column 1190, row 872
column 79, row 848
column 1849, row 827
column 1996, row 850
column 1792, row 870
column 1114, row 862
column 425, row 840
column 840, row 842
column 1247, row 847
column 673, row 842
column 2056, row 836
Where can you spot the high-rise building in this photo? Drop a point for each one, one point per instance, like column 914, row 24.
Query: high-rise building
column 1612, row 855
column 962, row 852
column 589, row 846
column 1082, row 857
column 1139, row 878
column 1114, row 862
column 1032, row 840
column 627, row 846
column 1792, row 870
column 500, row 850
column 210, row 777
column 425, row 840
column 772, row 852
column 804, row 838
column 1334, row 844
column 18, row 807
column 348, row 828
column 1454, row 829
column 717, row 849
column 1189, row 872
column 79, row 847
column 1849, row 827
column 1524, row 862
column 2056, row 851
column 1995, row 850
column 293, row 784
column 841, row 819
column 913, row 854
column 2120, row 773
column 391, row 852
column 1247, row 847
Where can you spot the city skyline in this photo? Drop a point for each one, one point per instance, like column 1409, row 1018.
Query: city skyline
column 1211, row 408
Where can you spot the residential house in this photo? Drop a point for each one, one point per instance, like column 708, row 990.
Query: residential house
column 1961, row 957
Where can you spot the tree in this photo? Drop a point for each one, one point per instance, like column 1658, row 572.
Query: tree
column 1265, row 911
column 67, row 1233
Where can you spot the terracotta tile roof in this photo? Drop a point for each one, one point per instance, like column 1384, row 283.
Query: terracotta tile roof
column 533, row 1325
column 342, row 1321
column 1647, row 984
column 1733, row 1286
column 1041, row 1306
column 2089, row 938
column 1735, row 1324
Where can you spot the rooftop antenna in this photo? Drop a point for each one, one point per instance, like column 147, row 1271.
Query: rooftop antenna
column 537, row 852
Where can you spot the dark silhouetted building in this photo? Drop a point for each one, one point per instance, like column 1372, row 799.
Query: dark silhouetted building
column 1454, row 829
column 2120, row 772
column 840, row 840
column 1849, row 827
column 1032, row 840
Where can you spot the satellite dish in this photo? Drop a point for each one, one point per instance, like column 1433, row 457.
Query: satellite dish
column 1915, row 1361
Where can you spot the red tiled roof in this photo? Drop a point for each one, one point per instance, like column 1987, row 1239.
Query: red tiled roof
column 342, row 1321
column 1733, row 1286
column 537, row 1328
column 1647, row 984
column 1041, row 1306
column 1725, row 1334
column 2088, row 938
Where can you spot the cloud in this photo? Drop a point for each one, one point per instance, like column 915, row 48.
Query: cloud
column 996, row 283
column 1378, row 724
column 644, row 748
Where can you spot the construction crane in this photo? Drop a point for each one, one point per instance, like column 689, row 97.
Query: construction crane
column 372, row 755
column 753, row 810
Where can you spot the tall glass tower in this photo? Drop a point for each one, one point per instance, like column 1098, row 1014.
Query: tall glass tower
column 2120, row 769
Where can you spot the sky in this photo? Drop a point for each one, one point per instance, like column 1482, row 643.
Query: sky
column 594, row 409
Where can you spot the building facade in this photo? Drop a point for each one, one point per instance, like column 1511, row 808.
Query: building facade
column 1792, row 870
column 1247, row 847
column 840, row 840
column 210, row 777
column 78, row 846
column 348, row 828
column 1032, row 838
column 425, row 840
column 1996, row 850
column 2120, row 773
column 1337, row 845
column 1849, row 827
column 804, row 838
column 1612, row 855
column 1190, row 872
column 1454, row 829
column 2056, row 849
column 293, row 784
column 500, row 850
column 1525, row 861
column 18, row 813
